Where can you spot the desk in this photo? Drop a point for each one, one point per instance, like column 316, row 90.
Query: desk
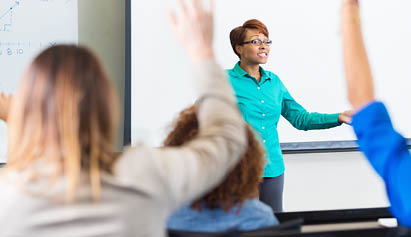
column 337, row 223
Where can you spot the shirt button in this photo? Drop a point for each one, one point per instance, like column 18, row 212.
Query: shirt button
column 263, row 115
column 262, row 101
column 258, row 88
column 264, row 141
column 263, row 128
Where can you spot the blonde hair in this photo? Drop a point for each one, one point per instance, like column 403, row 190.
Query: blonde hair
column 64, row 116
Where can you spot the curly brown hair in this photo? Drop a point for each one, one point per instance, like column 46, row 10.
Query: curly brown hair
column 241, row 183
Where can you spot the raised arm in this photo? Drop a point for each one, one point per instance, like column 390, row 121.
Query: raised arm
column 175, row 176
column 357, row 69
column 385, row 148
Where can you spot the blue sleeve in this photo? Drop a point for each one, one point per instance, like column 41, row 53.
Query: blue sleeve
column 388, row 153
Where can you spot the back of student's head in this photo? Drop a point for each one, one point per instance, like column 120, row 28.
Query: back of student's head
column 63, row 119
column 241, row 184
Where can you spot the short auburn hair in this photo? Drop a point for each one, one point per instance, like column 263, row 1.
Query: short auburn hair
column 237, row 35
column 241, row 183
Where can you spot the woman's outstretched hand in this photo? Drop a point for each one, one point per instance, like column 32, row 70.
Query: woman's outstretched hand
column 345, row 117
column 194, row 28
column 5, row 101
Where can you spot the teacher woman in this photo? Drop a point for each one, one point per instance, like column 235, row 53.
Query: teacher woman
column 262, row 98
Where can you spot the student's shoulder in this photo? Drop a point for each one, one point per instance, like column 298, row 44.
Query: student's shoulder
column 258, row 215
column 257, row 207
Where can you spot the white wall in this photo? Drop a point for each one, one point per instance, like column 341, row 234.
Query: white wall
column 306, row 54
column 326, row 181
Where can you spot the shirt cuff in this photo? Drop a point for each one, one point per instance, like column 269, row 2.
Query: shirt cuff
column 333, row 119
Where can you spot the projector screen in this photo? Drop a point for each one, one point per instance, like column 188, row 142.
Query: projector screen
column 306, row 54
column 26, row 28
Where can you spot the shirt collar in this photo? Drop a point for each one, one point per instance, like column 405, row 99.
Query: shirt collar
column 237, row 69
column 264, row 75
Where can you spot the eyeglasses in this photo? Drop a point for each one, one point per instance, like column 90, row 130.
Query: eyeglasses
column 258, row 42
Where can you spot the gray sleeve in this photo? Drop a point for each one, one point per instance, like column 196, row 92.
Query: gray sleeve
column 179, row 175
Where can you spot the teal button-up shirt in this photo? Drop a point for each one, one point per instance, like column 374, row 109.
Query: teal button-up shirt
column 262, row 103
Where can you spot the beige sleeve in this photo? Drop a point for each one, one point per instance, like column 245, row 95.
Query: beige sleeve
column 179, row 175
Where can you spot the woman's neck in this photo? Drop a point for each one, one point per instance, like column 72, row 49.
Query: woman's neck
column 252, row 69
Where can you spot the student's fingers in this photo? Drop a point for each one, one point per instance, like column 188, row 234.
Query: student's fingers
column 212, row 6
column 193, row 8
column 353, row 2
column 350, row 3
column 172, row 19
column 181, row 9
column 350, row 10
column 197, row 5
column 194, row 29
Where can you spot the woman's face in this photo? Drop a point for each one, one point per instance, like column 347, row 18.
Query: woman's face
column 254, row 54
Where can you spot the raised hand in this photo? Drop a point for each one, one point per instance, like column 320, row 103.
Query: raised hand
column 194, row 28
column 5, row 101
column 351, row 2
column 350, row 9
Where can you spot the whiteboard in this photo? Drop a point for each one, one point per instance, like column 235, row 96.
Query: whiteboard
column 26, row 28
column 306, row 54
